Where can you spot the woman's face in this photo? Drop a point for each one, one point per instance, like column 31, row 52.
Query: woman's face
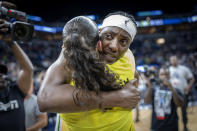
column 115, row 42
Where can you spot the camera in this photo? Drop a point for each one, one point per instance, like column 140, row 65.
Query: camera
column 151, row 74
column 20, row 30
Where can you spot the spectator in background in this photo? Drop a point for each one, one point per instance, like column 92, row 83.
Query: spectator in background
column 38, row 80
column 34, row 119
column 51, row 116
column 165, row 99
column 180, row 75
column 12, row 94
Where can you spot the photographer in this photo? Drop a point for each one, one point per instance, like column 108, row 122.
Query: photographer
column 164, row 99
column 12, row 95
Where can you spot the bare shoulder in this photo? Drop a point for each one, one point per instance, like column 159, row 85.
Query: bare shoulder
column 58, row 72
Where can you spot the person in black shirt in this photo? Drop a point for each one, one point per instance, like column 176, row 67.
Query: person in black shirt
column 12, row 94
column 165, row 99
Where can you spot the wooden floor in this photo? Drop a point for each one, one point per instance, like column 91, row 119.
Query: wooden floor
column 145, row 119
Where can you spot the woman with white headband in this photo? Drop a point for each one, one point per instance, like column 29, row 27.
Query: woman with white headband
column 117, row 33
column 116, row 115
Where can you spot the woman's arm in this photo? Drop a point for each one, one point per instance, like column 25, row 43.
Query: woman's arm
column 56, row 94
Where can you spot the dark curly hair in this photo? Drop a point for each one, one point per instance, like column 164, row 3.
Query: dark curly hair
column 89, row 72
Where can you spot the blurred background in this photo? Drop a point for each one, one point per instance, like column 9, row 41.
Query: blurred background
column 164, row 29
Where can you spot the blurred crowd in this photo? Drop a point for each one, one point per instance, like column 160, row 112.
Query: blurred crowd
column 182, row 44
column 146, row 49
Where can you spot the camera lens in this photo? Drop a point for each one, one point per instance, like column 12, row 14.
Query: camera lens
column 20, row 31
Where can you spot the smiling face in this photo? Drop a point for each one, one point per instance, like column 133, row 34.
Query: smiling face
column 115, row 42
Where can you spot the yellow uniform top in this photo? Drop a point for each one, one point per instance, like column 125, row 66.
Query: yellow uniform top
column 116, row 119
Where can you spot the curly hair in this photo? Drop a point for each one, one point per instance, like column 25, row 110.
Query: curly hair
column 89, row 72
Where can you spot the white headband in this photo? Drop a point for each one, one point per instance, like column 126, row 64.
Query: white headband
column 121, row 21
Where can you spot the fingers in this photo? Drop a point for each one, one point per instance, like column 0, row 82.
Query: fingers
column 133, row 81
column 135, row 91
column 2, row 21
column 136, row 97
column 9, row 5
column 131, row 104
column 4, row 26
column 4, row 30
column 129, row 99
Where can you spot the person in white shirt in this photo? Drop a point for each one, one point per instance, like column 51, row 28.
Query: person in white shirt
column 34, row 119
column 181, row 78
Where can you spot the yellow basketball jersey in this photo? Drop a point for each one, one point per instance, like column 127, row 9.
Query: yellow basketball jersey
column 116, row 119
